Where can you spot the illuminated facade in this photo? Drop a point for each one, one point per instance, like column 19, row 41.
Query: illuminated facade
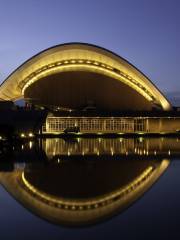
column 48, row 78
column 108, row 125
column 76, row 77
column 93, row 125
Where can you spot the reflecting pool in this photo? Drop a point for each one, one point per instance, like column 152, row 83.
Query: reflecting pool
column 90, row 188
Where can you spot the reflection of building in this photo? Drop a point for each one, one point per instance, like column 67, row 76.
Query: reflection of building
column 120, row 147
column 75, row 80
column 57, row 193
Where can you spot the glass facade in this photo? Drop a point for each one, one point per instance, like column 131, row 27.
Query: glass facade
column 95, row 124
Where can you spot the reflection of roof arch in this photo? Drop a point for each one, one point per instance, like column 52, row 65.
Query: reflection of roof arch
column 75, row 57
column 83, row 211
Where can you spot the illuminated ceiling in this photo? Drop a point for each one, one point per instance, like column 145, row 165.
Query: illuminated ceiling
column 80, row 57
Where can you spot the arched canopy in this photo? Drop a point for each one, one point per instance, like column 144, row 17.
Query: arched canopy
column 70, row 75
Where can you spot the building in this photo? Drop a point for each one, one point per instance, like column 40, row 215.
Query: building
column 91, row 88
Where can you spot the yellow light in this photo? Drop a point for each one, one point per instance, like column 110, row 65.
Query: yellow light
column 141, row 139
column 30, row 144
column 96, row 67
column 79, row 133
column 22, row 135
column 31, row 134
column 81, row 205
column 0, row 137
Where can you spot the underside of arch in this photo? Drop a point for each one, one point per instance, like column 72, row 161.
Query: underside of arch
column 76, row 89
column 108, row 80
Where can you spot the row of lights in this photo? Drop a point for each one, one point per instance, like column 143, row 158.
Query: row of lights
column 29, row 135
column 23, row 135
column 29, row 80
column 112, row 153
column 91, row 204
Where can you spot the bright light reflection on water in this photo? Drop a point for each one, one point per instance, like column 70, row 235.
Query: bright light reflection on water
column 50, row 194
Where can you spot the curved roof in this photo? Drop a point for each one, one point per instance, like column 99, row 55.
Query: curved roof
column 80, row 57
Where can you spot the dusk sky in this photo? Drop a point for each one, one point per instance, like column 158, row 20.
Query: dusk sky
column 145, row 32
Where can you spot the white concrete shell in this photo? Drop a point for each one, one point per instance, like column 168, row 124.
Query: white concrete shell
column 76, row 58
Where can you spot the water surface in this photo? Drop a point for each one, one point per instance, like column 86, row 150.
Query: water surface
column 106, row 189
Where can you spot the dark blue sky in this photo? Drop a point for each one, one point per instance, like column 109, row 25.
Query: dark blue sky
column 145, row 32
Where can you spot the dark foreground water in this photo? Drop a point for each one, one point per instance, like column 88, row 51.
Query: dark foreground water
column 90, row 189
